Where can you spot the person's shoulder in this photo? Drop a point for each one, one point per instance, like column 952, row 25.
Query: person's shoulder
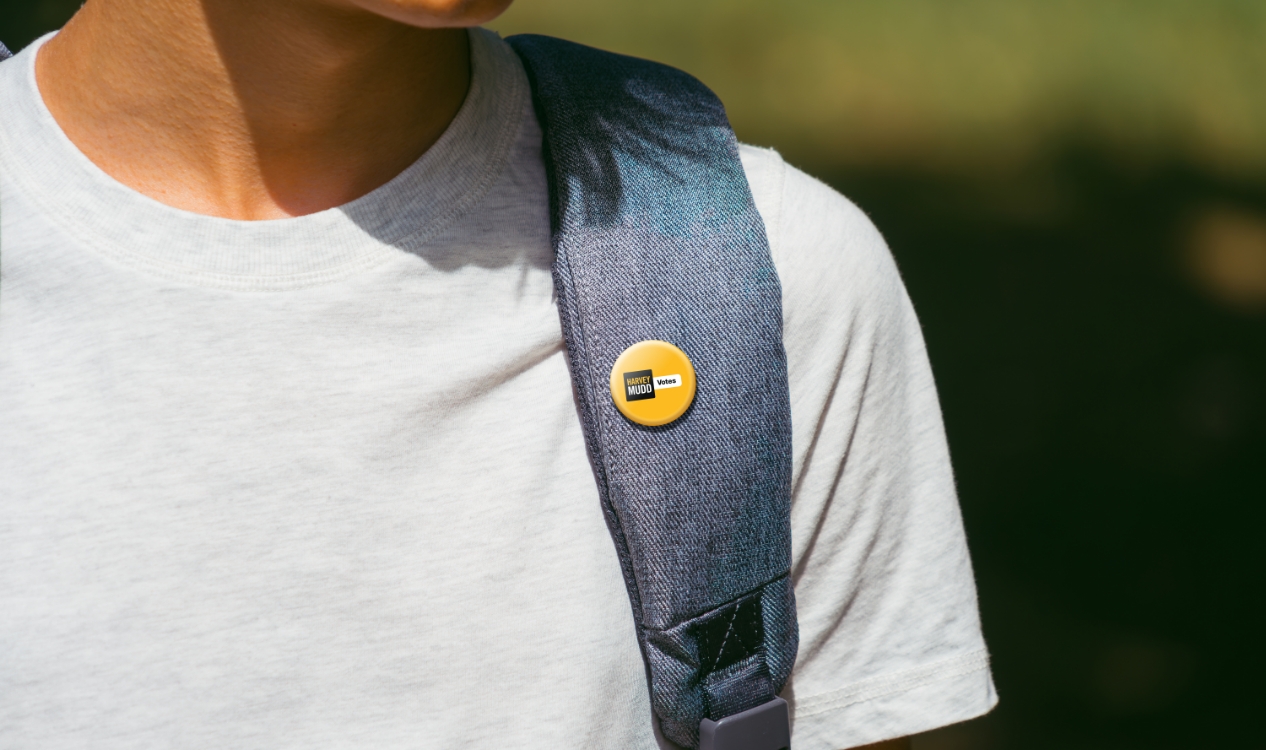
column 831, row 258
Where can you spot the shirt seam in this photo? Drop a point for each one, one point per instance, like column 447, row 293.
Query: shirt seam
column 501, row 155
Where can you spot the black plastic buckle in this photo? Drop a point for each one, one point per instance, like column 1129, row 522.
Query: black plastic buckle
column 766, row 727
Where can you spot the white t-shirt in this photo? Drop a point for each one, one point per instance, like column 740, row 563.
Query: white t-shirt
column 320, row 483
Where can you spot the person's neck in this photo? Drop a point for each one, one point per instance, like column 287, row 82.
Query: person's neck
column 250, row 109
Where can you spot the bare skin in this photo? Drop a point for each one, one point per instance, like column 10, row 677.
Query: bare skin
column 262, row 109
column 258, row 109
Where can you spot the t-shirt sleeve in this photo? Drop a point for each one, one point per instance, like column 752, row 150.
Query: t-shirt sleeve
column 890, row 639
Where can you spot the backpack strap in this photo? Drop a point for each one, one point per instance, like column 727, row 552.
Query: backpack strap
column 656, row 237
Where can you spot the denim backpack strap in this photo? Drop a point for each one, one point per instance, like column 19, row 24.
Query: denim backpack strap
column 656, row 236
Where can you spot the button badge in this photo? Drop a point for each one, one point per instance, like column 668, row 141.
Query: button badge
column 653, row 383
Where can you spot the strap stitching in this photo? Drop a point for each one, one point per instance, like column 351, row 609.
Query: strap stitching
column 726, row 638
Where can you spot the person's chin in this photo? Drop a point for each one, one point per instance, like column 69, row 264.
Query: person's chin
column 437, row 13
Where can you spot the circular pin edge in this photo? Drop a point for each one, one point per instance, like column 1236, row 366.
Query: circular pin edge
column 694, row 385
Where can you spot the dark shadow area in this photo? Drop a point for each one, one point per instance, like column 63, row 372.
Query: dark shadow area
column 23, row 21
column 1106, row 418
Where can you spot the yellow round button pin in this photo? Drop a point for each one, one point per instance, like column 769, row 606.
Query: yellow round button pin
column 653, row 383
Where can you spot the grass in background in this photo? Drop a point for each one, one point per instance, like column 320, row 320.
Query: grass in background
column 967, row 83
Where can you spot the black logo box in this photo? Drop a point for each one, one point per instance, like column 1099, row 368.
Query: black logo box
column 639, row 386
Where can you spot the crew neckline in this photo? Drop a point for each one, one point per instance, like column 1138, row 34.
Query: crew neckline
column 275, row 254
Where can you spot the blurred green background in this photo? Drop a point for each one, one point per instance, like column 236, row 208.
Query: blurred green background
column 1075, row 191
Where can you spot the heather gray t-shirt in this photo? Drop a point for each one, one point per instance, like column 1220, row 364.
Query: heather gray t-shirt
column 320, row 483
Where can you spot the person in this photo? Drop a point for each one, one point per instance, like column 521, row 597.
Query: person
column 289, row 456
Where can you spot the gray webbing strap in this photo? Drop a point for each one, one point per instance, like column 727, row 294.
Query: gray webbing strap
column 766, row 727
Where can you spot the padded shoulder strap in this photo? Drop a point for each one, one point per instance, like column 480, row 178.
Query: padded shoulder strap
column 656, row 237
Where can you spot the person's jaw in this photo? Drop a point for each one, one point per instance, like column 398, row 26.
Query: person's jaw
column 432, row 13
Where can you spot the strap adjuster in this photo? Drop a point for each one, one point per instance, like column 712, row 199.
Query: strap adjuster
column 766, row 727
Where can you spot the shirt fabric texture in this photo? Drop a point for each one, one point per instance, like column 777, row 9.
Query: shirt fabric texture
column 320, row 482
